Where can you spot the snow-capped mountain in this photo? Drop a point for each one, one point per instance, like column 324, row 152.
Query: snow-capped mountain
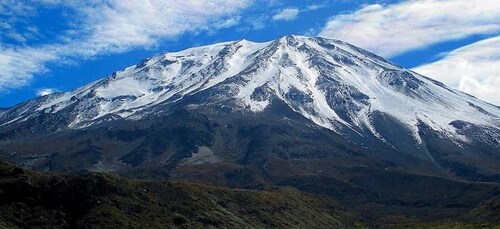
column 332, row 83
column 374, row 105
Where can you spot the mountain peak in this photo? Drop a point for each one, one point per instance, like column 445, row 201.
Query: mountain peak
column 336, row 85
column 294, row 98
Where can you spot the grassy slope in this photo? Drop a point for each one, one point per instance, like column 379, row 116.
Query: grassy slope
column 486, row 215
column 31, row 200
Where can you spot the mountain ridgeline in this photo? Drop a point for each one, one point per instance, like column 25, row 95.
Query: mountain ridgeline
column 316, row 114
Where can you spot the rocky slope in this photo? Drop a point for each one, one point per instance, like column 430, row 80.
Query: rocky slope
column 334, row 84
column 316, row 114
column 384, row 112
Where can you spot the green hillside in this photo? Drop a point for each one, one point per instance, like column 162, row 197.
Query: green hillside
column 33, row 200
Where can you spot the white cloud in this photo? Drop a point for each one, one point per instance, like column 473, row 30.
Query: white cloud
column 16, row 36
column 255, row 22
column 273, row 3
column 474, row 69
column 13, row 24
column 287, row 14
column 19, row 65
column 114, row 26
column 389, row 30
column 315, row 7
column 46, row 91
column 15, row 7
column 227, row 23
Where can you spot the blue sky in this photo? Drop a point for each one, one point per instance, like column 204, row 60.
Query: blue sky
column 48, row 46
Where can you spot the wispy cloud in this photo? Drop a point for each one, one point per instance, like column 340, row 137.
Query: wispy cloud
column 256, row 22
column 474, row 69
column 316, row 7
column 287, row 14
column 19, row 65
column 292, row 13
column 393, row 29
column 46, row 91
column 14, row 25
column 113, row 26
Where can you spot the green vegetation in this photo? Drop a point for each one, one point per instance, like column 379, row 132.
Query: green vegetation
column 446, row 225
column 33, row 200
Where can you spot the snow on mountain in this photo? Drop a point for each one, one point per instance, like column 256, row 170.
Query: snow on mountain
column 332, row 83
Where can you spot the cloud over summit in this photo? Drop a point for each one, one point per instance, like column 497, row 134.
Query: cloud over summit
column 110, row 27
column 390, row 30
